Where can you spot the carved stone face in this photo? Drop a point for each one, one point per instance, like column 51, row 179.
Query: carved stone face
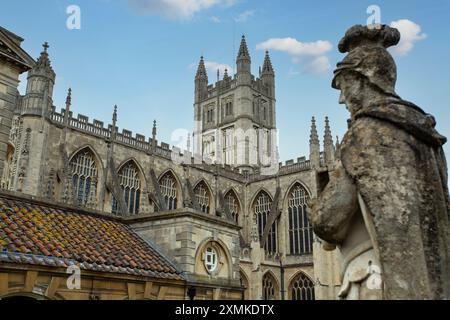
column 352, row 91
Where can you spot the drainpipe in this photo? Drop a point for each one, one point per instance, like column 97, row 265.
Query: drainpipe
column 282, row 291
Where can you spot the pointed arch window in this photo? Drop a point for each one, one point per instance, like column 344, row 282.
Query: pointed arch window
column 131, row 187
column 232, row 204
column 300, row 230
column 302, row 288
column 84, row 175
column 168, row 186
column 203, row 197
column 269, row 287
column 261, row 210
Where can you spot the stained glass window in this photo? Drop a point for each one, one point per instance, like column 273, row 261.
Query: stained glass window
column 168, row 186
column 84, row 175
column 232, row 204
column 131, row 187
column 203, row 197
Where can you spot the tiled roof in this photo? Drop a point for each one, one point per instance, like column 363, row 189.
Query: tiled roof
column 40, row 234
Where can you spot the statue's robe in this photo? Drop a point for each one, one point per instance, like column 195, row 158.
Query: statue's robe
column 394, row 155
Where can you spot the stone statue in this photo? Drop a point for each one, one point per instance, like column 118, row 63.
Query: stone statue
column 386, row 205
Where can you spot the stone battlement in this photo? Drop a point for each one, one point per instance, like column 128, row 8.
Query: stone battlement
column 98, row 128
column 140, row 142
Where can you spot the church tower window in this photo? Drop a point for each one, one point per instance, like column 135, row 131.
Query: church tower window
column 227, row 143
column 228, row 108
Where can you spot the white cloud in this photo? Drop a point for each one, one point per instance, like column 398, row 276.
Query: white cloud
column 176, row 9
column 244, row 16
column 410, row 34
column 311, row 55
column 215, row 19
column 318, row 65
column 212, row 67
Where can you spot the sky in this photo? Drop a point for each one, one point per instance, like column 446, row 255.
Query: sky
column 142, row 55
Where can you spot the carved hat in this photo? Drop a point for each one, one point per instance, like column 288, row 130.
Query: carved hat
column 367, row 55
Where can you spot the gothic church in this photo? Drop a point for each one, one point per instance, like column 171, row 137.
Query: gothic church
column 142, row 220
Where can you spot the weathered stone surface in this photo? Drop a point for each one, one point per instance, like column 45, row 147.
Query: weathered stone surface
column 394, row 156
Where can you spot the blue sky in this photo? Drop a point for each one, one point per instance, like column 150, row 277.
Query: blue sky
column 141, row 55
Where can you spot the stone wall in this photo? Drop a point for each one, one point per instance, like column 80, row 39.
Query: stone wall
column 9, row 81
column 184, row 234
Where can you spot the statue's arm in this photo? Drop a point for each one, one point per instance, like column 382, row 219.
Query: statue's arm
column 332, row 211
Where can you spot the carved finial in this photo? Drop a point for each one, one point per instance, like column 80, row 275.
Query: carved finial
column 68, row 103
column 188, row 143
column 154, row 136
column 314, row 145
column 243, row 50
column 115, row 116
column 267, row 65
column 225, row 74
column 327, row 138
column 68, row 99
column 201, row 70
column 314, row 137
column 43, row 62
column 328, row 144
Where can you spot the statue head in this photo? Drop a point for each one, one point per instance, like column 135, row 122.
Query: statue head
column 368, row 73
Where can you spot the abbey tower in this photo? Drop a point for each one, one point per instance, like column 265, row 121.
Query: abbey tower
column 235, row 117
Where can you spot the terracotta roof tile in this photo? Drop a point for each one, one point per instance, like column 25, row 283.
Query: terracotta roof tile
column 32, row 233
